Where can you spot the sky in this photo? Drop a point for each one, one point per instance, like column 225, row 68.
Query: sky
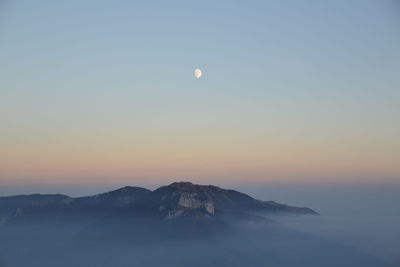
column 102, row 93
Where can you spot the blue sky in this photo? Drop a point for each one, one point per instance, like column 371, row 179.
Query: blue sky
column 291, row 90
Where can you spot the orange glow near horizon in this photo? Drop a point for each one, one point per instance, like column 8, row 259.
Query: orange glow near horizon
column 235, row 158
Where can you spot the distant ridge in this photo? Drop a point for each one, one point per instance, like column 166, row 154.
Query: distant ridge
column 177, row 200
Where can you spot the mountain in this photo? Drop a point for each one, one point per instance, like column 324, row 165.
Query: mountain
column 177, row 200
column 187, row 199
column 181, row 224
column 13, row 206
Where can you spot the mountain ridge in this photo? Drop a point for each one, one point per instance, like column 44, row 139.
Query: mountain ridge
column 176, row 200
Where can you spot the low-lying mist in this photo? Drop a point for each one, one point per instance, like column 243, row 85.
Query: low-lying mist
column 283, row 241
column 375, row 235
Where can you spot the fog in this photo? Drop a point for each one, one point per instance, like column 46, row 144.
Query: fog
column 377, row 236
column 280, row 241
column 357, row 226
column 365, row 216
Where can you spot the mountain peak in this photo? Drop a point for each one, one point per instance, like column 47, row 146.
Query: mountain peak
column 129, row 189
column 182, row 184
column 189, row 186
column 177, row 200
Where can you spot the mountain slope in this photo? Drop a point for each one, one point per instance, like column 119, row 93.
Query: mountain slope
column 185, row 198
column 177, row 200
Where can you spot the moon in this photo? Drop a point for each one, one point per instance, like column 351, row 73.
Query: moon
column 197, row 73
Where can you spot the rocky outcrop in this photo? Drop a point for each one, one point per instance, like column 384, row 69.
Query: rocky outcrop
column 182, row 197
column 190, row 205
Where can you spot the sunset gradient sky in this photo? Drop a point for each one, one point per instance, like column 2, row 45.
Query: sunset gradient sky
column 103, row 92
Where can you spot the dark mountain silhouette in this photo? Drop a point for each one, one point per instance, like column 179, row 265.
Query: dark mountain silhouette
column 177, row 200
column 181, row 224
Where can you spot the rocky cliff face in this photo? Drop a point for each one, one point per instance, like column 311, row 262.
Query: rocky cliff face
column 187, row 199
column 190, row 205
column 181, row 200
